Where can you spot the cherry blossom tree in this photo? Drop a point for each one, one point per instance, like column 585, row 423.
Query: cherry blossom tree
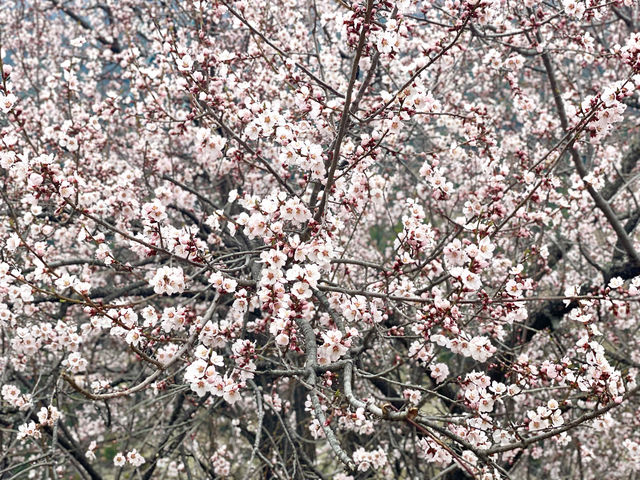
column 304, row 239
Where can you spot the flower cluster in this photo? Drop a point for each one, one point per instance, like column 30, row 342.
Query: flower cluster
column 133, row 457
column 434, row 452
column 366, row 460
column 169, row 280
column 12, row 395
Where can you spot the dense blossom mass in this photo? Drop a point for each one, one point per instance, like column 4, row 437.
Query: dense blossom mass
column 304, row 239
